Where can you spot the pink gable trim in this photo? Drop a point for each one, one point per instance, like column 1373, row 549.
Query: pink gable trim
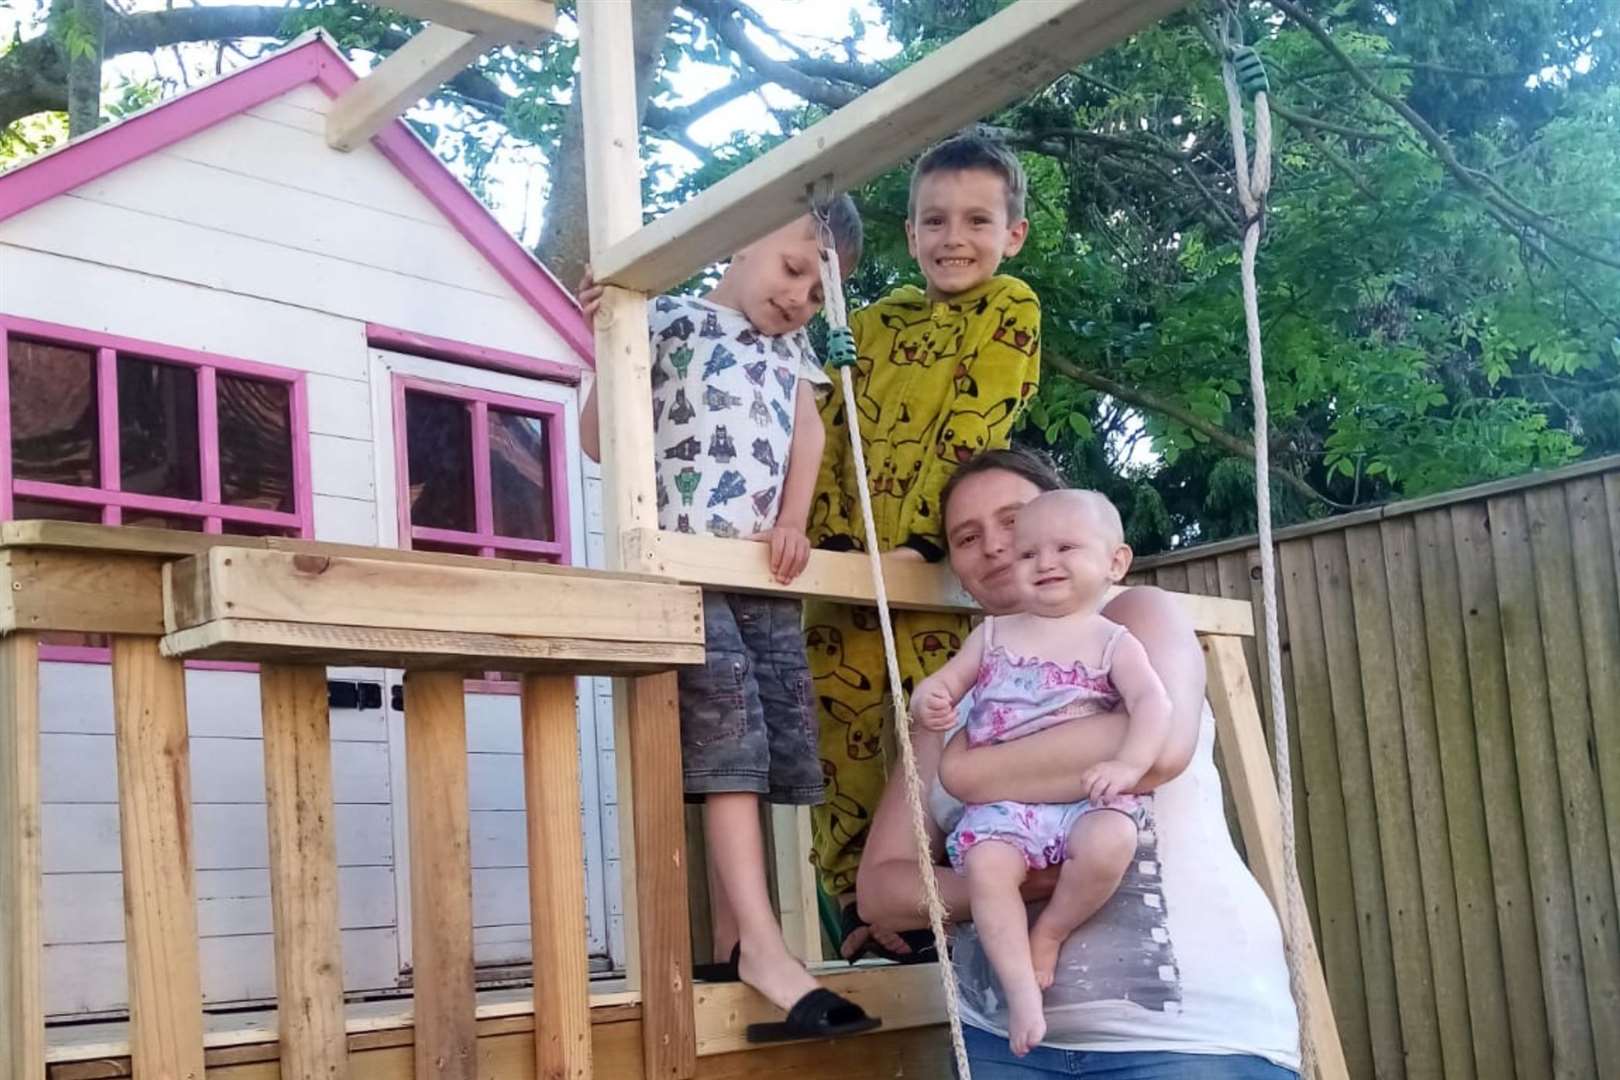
column 315, row 60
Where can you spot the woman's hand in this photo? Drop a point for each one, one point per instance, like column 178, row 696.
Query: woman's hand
column 590, row 297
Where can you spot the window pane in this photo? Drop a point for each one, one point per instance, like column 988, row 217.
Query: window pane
column 53, row 413
column 520, row 476
column 438, row 449
column 148, row 520
column 31, row 509
column 255, row 443
column 157, row 429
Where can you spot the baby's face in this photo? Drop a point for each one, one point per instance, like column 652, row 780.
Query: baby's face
column 1066, row 557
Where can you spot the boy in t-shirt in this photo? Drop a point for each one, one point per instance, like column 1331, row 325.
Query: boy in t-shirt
column 942, row 374
column 738, row 442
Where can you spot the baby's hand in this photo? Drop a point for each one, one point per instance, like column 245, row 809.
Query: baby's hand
column 932, row 707
column 790, row 551
column 590, row 297
column 905, row 554
column 1110, row 778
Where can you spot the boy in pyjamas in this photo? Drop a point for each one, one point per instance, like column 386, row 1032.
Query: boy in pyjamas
column 941, row 374
column 737, row 443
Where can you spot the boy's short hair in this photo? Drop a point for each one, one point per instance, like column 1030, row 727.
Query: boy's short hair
column 849, row 235
column 972, row 150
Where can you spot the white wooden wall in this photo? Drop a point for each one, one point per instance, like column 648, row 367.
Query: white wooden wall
column 255, row 240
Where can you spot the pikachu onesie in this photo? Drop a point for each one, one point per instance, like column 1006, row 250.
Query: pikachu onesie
column 935, row 383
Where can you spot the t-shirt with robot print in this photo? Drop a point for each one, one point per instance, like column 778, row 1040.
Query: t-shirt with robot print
column 723, row 410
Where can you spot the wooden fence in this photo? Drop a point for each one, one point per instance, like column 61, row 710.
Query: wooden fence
column 1452, row 673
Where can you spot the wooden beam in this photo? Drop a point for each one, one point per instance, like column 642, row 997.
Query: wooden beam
column 92, row 592
column 441, row 875
column 303, row 871
column 411, row 73
column 562, row 1019
column 517, row 21
column 274, row 586
column 1242, row 746
column 22, row 941
column 1004, row 58
column 741, row 566
column 160, row 901
column 247, row 640
column 669, row 1046
column 796, row 881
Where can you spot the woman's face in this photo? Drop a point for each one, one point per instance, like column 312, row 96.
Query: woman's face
column 979, row 528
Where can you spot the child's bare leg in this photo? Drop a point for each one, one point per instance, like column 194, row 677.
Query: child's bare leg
column 736, row 849
column 994, row 871
column 1101, row 846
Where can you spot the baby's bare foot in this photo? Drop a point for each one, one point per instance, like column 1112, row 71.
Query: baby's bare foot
column 1043, row 953
column 1026, row 1022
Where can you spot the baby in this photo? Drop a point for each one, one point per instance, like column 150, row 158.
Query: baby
column 1058, row 659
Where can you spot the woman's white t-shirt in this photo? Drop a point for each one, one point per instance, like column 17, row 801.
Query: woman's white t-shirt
column 1187, row 956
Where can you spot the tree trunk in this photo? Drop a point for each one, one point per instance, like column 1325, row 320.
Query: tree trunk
column 86, row 48
column 564, row 240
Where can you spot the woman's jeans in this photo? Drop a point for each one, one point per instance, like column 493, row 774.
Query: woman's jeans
column 991, row 1059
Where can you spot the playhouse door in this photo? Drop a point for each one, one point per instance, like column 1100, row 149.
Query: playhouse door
column 486, row 463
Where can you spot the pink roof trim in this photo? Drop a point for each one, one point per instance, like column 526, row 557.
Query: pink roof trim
column 311, row 60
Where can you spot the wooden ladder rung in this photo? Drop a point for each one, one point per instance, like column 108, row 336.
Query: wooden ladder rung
column 1016, row 52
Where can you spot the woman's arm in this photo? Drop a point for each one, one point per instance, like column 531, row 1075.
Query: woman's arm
column 1048, row 766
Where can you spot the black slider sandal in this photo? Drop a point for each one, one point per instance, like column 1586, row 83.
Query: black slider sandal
column 720, row 973
column 820, row 1014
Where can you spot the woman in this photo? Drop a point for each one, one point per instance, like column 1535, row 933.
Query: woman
column 1181, row 974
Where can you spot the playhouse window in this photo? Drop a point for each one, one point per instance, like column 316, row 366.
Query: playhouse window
column 483, row 473
column 117, row 432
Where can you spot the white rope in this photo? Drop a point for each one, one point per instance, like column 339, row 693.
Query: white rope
column 1252, row 189
column 833, row 290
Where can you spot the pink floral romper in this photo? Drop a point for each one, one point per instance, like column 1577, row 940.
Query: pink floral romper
column 1017, row 696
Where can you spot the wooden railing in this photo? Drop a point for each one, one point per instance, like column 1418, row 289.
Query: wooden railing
column 295, row 608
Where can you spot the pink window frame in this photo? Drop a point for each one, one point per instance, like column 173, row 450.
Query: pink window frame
column 485, row 539
column 112, row 501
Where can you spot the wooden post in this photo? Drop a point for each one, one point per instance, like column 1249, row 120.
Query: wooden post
column 22, row 942
column 796, row 881
column 669, row 1036
column 562, row 1019
column 441, row 875
column 303, row 872
column 1242, row 744
column 160, row 901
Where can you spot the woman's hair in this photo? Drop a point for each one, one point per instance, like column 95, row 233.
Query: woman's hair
column 849, row 236
column 1032, row 465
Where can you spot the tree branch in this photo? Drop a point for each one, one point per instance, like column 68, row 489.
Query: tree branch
column 1218, row 436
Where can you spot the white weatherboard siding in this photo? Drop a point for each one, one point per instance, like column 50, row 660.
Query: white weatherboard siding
column 254, row 240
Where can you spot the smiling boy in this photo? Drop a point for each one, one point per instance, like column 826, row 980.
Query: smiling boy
column 942, row 374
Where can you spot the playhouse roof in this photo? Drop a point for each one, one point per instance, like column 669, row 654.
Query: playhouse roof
column 311, row 58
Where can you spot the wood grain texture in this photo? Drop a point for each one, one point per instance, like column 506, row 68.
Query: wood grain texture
column 86, row 591
column 562, row 1043
column 160, row 903
column 441, row 875
column 303, row 871
column 1597, row 559
column 22, row 940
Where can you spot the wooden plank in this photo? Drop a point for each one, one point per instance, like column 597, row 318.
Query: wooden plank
column 1319, row 760
column 740, row 566
column 241, row 583
column 1491, row 724
column 654, row 746
column 1396, row 832
column 1009, row 55
column 85, row 591
column 1558, row 933
column 1172, row 578
column 1360, row 800
column 413, row 71
column 366, row 646
column 22, row 940
column 795, row 881
column 1431, row 875
column 160, row 905
column 441, row 875
column 1597, row 576
column 303, row 870
column 1458, row 760
column 904, row 996
column 562, row 1020
column 1574, row 742
column 516, row 21
column 1243, row 752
